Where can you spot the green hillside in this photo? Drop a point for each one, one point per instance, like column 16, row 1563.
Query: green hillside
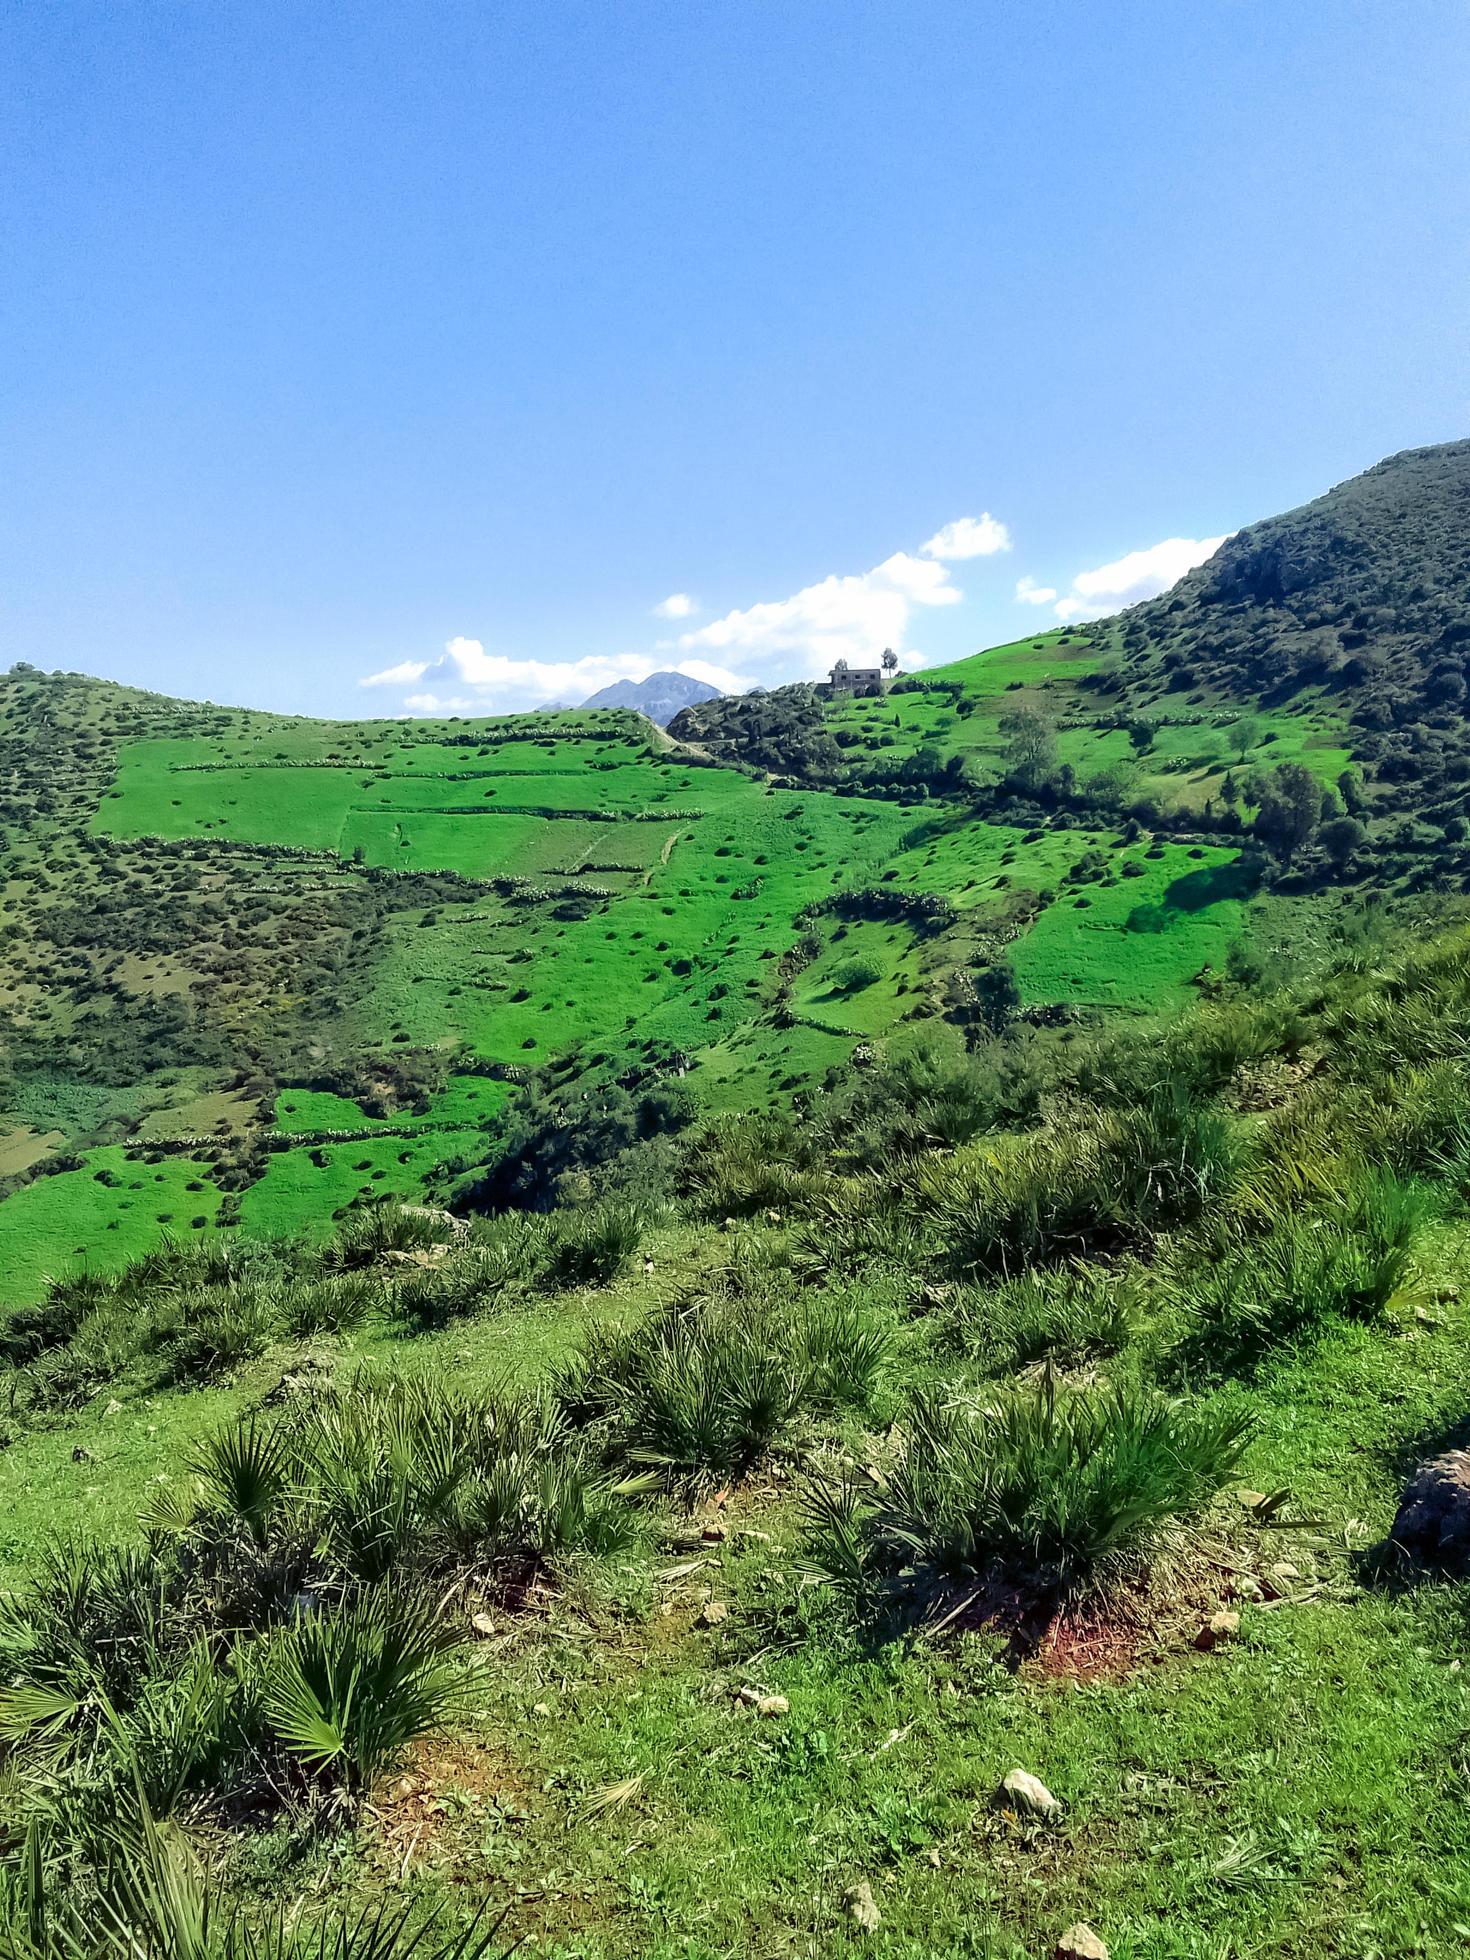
column 802, row 1336
column 316, row 963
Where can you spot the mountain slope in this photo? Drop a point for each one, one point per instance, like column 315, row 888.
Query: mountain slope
column 1336, row 636
column 287, row 966
column 659, row 696
column 1364, row 592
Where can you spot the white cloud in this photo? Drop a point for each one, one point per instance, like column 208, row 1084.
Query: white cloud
column 467, row 680
column 851, row 618
column 1029, row 593
column 1137, row 575
column 969, row 537
column 405, row 671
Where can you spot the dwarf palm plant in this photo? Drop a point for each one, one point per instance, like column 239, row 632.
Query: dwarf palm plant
column 1059, row 1485
column 345, row 1690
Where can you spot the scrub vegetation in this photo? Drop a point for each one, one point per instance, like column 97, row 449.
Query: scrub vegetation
column 605, row 1332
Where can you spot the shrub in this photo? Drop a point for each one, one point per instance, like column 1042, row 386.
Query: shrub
column 1350, row 1259
column 334, row 1303
column 707, row 1387
column 345, row 1690
column 857, row 973
column 215, row 1332
column 592, row 1247
column 372, row 1230
column 1049, row 1485
column 1065, row 1317
column 753, row 1163
column 1086, row 1186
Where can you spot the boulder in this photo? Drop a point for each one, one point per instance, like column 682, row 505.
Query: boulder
column 1433, row 1519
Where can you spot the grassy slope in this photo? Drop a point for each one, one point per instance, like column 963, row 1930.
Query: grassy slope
column 1185, row 764
column 694, row 878
column 1294, row 1793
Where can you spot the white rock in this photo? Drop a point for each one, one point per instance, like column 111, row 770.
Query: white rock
column 1020, row 1790
column 861, row 1908
column 1079, row 1942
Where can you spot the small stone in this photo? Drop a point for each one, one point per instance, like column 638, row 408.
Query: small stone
column 714, row 1532
column 1246, row 1587
column 773, row 1705
column 1079, row 1942
column 114, row 1408
column 1284, row 1571
column 713, row 1614
column 1219, row 1627
column 541, row 1711
column 861, row 1907
column 1433, row 1520
column 1020, row 1790
column 482, row 1624
column 1251, row 1500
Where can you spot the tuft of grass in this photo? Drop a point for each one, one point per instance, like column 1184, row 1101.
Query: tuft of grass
column 707, row 1387
column 1050, row 1485
column 1350, row 1258
column 1066, row 1318
column 592, row 1247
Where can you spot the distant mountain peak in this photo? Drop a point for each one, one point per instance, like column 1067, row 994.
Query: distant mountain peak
column 660, row 696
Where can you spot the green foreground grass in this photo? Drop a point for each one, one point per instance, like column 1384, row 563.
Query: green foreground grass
column 1294, row 1792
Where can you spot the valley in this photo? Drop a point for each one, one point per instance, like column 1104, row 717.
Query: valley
column 836, row 1330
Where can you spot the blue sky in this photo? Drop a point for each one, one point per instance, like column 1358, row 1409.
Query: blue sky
column 449, row 341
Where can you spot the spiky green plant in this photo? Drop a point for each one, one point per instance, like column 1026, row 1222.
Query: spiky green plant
column 345, row 1689
column 371, row 1230
column 592, row 1247
column 1061, row 1485
column 332, row 1303
column 1066, row 1317
column 244, row 1476
column 1349, row 1256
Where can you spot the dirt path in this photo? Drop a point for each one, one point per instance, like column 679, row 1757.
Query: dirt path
column 665, row 854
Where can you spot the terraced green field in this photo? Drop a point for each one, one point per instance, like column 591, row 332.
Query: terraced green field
column 1193, row 747
column 296, row 912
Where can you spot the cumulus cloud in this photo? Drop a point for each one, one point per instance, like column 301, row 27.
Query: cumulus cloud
column 1137, row 575
column 1029, row 593
column 969, row 537
column 851, row 617
column 466, row 680
column 839, row 618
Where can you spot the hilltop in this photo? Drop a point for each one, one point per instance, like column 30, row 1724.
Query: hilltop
column 1334, row 637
